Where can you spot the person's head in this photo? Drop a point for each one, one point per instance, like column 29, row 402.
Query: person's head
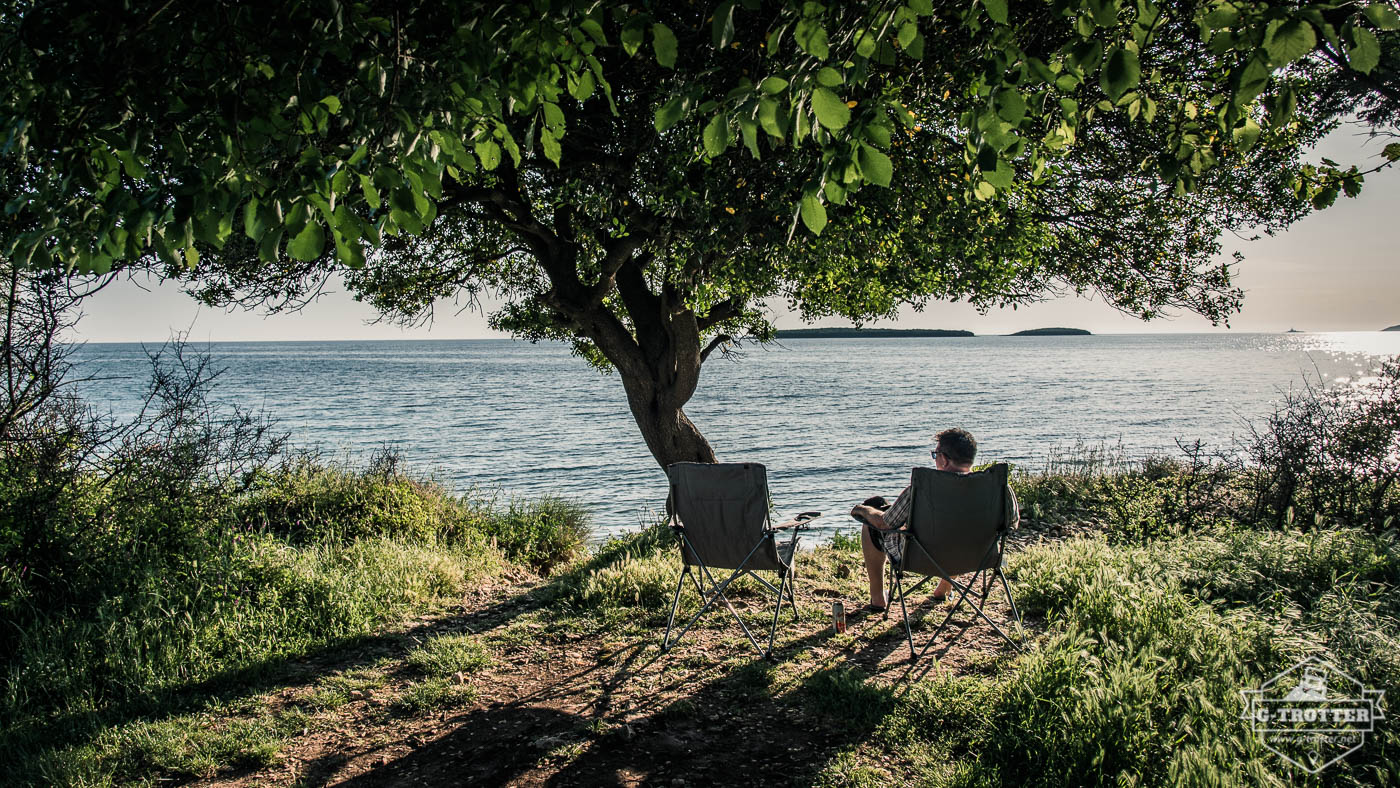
column 955, row 449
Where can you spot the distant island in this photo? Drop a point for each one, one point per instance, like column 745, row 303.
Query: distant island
column 868, row 333
column 1052, row 332
column 1392, row 328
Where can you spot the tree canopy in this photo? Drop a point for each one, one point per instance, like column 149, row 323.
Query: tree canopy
column 644, row 179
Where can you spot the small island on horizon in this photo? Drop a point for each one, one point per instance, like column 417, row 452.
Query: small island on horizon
column 1052, row 332
column 868, row 333
column 1392, row 328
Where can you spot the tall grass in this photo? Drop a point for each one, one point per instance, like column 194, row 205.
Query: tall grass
column 1137, row 681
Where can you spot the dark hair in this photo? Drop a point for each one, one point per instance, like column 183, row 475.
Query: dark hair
column 958, row 444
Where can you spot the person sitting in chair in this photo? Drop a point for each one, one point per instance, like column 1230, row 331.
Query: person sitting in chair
column 954, row 451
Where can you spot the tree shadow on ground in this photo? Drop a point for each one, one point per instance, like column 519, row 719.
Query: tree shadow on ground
column 76, row 728
column 751, row 724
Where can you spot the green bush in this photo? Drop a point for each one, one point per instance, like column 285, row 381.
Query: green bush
column 1329, row 455
column 307, row 501
column 1137, row 681
column 544, row 533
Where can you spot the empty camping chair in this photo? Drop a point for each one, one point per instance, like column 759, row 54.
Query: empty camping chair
column 958, row 525
column 719, row 513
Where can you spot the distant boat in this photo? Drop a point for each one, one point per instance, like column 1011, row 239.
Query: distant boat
column 1293, row 331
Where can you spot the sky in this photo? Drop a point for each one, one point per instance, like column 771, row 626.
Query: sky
column 1335, row 270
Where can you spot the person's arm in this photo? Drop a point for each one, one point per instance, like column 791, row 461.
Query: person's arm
column 869, row 514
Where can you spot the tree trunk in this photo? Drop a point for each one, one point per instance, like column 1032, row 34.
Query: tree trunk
column 668, row 432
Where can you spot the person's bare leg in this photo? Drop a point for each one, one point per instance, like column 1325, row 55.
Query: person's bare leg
column 874, row 568
column 943, row 589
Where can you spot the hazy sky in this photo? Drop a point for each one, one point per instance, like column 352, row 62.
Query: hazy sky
column 1336, row 270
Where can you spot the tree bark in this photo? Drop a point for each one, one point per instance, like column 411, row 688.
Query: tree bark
column 669, row 433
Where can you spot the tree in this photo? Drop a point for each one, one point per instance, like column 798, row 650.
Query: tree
column 642, row 179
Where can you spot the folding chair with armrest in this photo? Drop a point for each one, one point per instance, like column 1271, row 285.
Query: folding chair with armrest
column 719, row 513
column 958, row 525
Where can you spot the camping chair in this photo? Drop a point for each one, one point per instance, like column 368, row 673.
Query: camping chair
column 719, row 513
column 957, row 526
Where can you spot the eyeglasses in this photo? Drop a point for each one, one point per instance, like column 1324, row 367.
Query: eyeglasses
column 935, row 453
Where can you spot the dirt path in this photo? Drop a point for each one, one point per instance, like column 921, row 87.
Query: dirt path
column 573, row 700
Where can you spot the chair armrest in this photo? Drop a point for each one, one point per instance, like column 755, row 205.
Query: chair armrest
column 800, row 522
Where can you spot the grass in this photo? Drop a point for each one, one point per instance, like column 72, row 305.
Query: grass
column 1148, row 626
column 447, row 655
column 311, row 559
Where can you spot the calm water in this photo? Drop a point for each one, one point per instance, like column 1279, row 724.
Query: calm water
column 835, row 420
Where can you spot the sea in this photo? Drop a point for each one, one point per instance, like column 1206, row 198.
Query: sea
column 833, row 420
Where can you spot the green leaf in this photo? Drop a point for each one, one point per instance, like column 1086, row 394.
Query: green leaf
column 582, row 87
column 878, row 135
column 1286, row 40
column 254, row 222
column 915, row 50
column 835, row 193
column 668, row 114
column 773, row 85
column 811, row 36
column 594, row 31
column 1245, row 135
column 489, row 153
column 829, row 77
column 332, row 104
column 984, row 191
column 716, row 136
column 831, row 111
column 1222, row 16
column 1391, row 152
column 748, row 129
column 813, row 214
column 553, row 116
column 632, row 38
column 663, row 41
column 722, row 25
column 875, row 166
column 1252, row 80
column 907, row 33
column 1121, row 72
column 1105, row 12
column 371, row 193
column 768, row 117
column 1365, row 51
column 1011, row 106
column 996, row 9
column 550, row 144
column 267, row 248
column 921, row 7
column 865, row 43
column 1325, row 197
column 307, row 244
column 1382, row 16
column 1000, row 175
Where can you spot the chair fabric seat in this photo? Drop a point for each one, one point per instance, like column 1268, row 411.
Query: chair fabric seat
column 957, row 527
column 720, row 515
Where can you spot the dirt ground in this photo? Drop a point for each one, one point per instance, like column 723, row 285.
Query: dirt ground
column 568, row 700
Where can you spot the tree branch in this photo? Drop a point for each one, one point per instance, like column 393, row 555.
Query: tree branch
column 722, row 339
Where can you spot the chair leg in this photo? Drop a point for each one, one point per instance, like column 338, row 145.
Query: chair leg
column 675, row 605
column 897, row 591
column 777, row 611
column 718, row 594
